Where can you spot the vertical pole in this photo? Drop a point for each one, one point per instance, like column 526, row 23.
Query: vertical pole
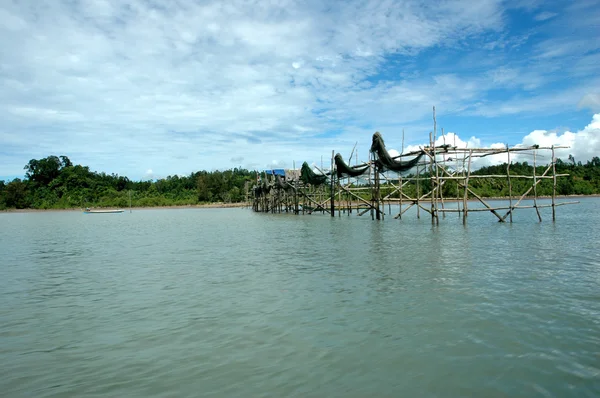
column 436, row 186
column 356, row 162
column 371, row 164
column 465, row 208
column 332, row 185
column 130, row 202
column 418, row 193
column 441, row 188
column 509, row 183
column 537, row 210
column 340, row 203
column 463, row 171
column 553, row 185
column 400, row 182
column 379, row 213
column 295, row 188
column 400, row 179
column 431, row 179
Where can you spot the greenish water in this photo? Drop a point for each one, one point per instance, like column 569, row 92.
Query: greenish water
column 229, row 303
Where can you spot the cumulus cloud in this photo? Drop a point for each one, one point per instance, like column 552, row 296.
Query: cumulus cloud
column 583, row 145
column 188, row 84
column 590, row 101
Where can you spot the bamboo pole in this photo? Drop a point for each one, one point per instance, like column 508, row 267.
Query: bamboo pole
column 418, row 193
column 553, row 185
column 465, row 208
column 431, row 179
column 436, row 185
column 450, row 177
column 332, row 180
column 371, row 188
column 509, row 181
column 441, row 192
column 535, row 187
column 376, row 192
column 457, row 189
column 527, row 192
column 514, row 207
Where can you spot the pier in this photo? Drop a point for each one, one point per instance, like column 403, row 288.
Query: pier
column 436, row 180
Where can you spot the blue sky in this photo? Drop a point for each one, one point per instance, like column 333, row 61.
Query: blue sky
column 146, row 88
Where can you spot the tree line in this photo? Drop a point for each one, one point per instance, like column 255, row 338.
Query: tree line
column 582, row 179
column 55, row 182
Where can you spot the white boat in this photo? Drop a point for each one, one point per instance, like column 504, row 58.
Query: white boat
column 90, row 211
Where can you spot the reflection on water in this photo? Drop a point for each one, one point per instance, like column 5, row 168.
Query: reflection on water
column 225, row 302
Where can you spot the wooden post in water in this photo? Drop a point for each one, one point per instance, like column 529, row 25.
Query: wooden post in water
column 418, row 193
column 371, row 188
column 553, row 185
column 509, row 182
column 431, row 180
column 441, row 191
column 332, row 177
column 465, row 207
column 435, row 182
column 400, row 182
column 377, row 193
column 535, row 186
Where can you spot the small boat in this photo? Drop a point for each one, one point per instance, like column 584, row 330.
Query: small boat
column 90, row 211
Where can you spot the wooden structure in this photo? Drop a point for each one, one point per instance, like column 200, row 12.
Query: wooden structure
column 441, row 165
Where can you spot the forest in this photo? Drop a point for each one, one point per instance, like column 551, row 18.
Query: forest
column 55, row 182
column 582, row 179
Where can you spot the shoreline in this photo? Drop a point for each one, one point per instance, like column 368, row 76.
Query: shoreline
column 217, row 205
column 221, row 205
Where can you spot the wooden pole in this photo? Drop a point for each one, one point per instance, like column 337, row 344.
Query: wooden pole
column 528, row 190
column 553, row 185
column 377, row 200
column 371, row 189
column 435, row 187
column 465, row 207
column 443, row 164
column 332, row 176
column 418, row 193
column 509, row 181
column 400, row 179
column 457, row 189
column 431, row 179
column 535, row 187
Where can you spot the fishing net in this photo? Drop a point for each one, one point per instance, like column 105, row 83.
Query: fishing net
column 386, row 162
column 280, row 183
column 308, row 176
column 343, row 169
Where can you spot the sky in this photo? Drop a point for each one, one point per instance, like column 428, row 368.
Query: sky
column 151, row 88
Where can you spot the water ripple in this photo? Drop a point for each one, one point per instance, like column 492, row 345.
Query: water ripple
column 218, row 303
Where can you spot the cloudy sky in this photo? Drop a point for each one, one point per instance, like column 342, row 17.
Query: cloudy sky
column 150, row 88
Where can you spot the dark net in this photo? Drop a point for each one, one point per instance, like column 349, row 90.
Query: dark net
column 308, row 176
column 386, row 162
column 343, row 169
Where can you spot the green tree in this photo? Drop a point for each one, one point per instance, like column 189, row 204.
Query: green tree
column 43, row 171
column 15, row 194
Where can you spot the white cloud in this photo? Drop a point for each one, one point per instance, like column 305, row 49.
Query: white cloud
column 543, row 16
column 202, row 85
column 582, row 145
column 590, row 101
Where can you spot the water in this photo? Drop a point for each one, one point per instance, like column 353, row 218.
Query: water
column 229, row 303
